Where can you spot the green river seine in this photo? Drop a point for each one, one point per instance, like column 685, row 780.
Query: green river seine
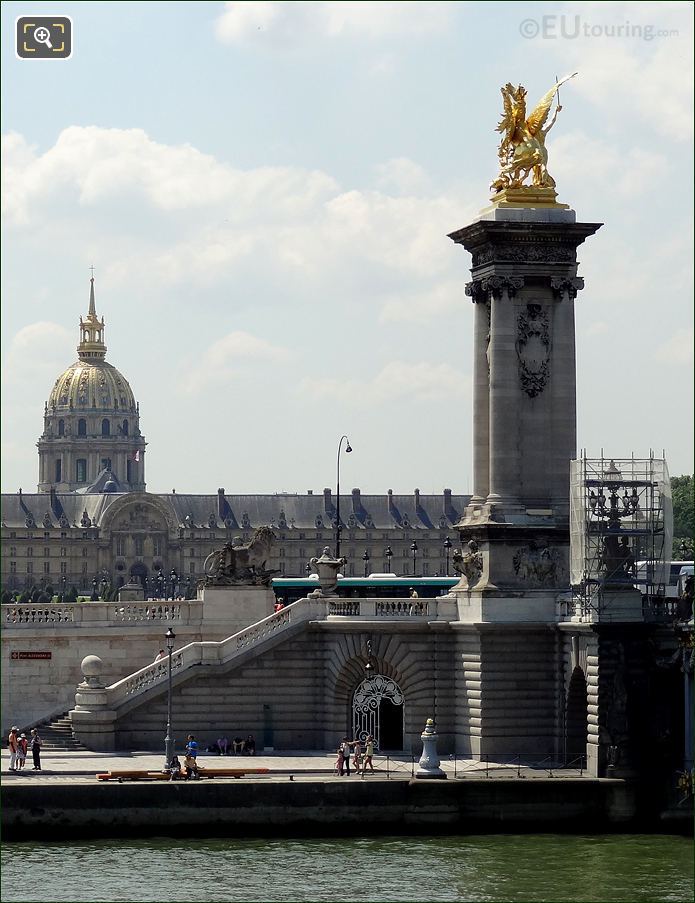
column 527, row 867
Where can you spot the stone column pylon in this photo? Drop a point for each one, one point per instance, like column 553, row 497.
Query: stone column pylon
column 481, row 395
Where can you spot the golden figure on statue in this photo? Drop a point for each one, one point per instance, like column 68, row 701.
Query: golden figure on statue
column 522, row 152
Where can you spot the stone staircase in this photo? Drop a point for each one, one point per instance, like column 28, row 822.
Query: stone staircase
column 57, row 735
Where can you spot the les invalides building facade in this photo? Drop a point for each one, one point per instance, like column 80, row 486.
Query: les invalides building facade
column 93, row 524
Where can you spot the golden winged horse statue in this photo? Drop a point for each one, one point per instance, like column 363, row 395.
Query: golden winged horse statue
column 522, row 149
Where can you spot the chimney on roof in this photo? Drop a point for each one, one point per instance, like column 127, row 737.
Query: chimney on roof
column 310, row 492
column 220, row 503
column 356, row 501
column 389, row 500
column 327, row 502
column 417, row 499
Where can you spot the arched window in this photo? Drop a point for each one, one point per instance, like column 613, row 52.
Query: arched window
column 81, row 427
column 59, row 469
column 125, row 427
column 61, row 427
column 105, row 427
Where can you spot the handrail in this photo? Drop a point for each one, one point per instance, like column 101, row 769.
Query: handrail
column 208, row 652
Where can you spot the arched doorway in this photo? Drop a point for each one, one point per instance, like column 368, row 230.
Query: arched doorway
column 576, row 724
column 377, row 709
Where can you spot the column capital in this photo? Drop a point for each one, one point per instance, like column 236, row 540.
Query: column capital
column 561, row 286
column 493, row 286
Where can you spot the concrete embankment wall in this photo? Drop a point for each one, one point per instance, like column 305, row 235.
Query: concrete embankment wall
column 54, row 811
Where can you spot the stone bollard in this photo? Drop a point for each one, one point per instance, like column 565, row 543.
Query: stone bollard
column 93, row 723
column 428, row 766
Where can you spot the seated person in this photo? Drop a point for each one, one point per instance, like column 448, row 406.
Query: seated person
column 237, row 746
column 174, row 769
column 250, row 745
column 223, row 746
column 191, row 765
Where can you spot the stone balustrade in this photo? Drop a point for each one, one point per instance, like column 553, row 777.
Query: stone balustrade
column 385, row 608
column 108, row 614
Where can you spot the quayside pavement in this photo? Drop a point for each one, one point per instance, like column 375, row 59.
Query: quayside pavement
column 81, row 766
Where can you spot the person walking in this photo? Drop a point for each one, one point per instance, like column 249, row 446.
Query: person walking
column 191, row 746
column 368, row 754
column 339, row 762
column 35, row 743
column 13, row 746
column 357, row 756
column 345, row 746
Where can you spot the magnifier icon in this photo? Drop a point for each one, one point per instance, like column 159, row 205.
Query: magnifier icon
column 43, row 36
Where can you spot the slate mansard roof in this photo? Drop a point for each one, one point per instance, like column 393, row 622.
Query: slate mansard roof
column 289, row 511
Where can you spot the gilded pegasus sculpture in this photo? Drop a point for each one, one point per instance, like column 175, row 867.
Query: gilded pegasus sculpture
column 522, row 150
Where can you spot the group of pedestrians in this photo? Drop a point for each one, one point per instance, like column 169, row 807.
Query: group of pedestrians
column 18, row 745
column 361, row 758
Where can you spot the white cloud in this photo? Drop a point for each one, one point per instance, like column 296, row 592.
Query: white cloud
column 625, row 74
column 95, row 165
column 436, row 303
column 37, row 353
column 289, row 22
column 416, row 382
column 229, row 358
column 403, row 176
column 677, row 350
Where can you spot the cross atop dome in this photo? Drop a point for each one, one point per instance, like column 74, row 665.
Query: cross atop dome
column 92, row 346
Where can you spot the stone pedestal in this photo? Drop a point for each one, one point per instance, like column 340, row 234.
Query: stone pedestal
column 228, row 609
column 131, row 592
column 428, row 766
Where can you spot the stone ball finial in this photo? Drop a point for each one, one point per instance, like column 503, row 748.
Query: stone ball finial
column 91, row 666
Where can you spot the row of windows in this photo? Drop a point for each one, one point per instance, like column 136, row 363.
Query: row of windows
column 81, row 469
column 105, row 427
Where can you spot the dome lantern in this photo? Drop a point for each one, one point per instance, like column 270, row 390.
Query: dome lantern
column 92, row 346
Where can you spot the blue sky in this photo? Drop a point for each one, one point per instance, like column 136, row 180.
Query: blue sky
column 265, row 190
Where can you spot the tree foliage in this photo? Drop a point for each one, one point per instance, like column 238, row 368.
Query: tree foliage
column 683, row 513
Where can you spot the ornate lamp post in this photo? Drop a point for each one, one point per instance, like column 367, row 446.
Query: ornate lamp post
column 348, row 449
column 307, row 569
column 63, row 582
column 170, row 636
column 413, row 549
column 365, row 558
column 388, row 552
column 104, row 584
column 160, row 584
column 95, row 586
column 174, row 582
column 447, row 549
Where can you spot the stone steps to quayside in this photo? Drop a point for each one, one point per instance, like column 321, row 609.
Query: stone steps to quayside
column 57, row 735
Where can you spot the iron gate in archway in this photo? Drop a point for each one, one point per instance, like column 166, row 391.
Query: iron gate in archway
column 377, row 709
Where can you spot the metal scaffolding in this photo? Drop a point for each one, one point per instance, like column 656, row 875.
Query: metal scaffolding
column 621, row 526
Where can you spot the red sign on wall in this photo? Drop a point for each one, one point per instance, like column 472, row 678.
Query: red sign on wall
column 30, row 655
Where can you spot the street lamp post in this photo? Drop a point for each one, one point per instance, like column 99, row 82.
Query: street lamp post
column 174, row 582
column 413, row 549
column 348, row 449
column 388, row 552
column 95, row 594
column 63, row 582
column 170, row 636
column 160, row 584
column 365, row 558
column 307, row 569
column 447, row 548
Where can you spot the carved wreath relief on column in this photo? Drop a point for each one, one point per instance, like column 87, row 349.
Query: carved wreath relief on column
column 533, row 349
column 538, row 566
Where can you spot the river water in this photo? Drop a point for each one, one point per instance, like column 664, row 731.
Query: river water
column 529, row 867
